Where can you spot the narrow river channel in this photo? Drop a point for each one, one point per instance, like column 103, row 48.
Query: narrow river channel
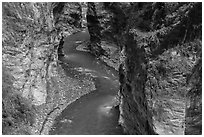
column 92, row 114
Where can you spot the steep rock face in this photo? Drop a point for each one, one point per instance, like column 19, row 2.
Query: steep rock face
column 110, row 19
column 193, row 122
column 68, row 17
column 29, row 55
column 29, row 50
column 31, row 36
column 155, row 32
column 135, row 117
column 161, row 31
column 166, row 88
column 107, row 21
column 94, row 28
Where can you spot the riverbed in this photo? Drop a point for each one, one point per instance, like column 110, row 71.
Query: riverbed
column 94, row 113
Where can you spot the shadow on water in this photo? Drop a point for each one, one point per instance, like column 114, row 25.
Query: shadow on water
column 93, row 113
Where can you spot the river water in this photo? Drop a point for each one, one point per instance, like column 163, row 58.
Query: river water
column 92, row 114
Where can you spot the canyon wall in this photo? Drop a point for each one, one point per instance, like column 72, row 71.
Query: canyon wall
column 36, row 81
column 110, row 21
column 28, row 47
column 94, row 28
column 193, row 122
column 135, row 117
column 144, row 33
column 150, row 32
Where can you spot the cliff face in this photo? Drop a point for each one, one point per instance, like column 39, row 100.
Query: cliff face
column 29, row 51
column 158, row 33
column 149, row 34
column 28, row 43
column 135, row 116
column 193, row 122
column 107, row 22
column 95, row 29
column 150, row 41
column 31, row 37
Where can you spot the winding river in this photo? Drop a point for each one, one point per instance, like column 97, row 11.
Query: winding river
column 92, row 114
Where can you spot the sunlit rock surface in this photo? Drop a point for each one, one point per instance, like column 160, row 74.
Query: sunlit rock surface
column 156, row 46
column 31, row 35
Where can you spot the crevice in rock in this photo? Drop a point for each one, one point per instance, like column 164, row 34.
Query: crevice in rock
column 46, row 119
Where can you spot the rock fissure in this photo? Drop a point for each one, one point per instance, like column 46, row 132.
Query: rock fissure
column 155, row 46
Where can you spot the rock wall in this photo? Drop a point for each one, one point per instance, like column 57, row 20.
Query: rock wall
column 94, row 28
column 149, row 33
column 145, row 32
column 28, row 43
column 193, row 117
column 135, row 117
column 107, row 22
column 31, row 36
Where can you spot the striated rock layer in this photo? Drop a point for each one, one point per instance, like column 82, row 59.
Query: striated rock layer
column 193, row 122
column 109, row 21
column 31, row 37
column 143, row 33
column 135, row 116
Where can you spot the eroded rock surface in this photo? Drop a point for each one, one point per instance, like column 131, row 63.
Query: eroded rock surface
column 31, row 36
column 135, row 35
column 193, row 122
column 135, row 116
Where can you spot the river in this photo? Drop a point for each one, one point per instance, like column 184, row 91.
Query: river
column 92, row 114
